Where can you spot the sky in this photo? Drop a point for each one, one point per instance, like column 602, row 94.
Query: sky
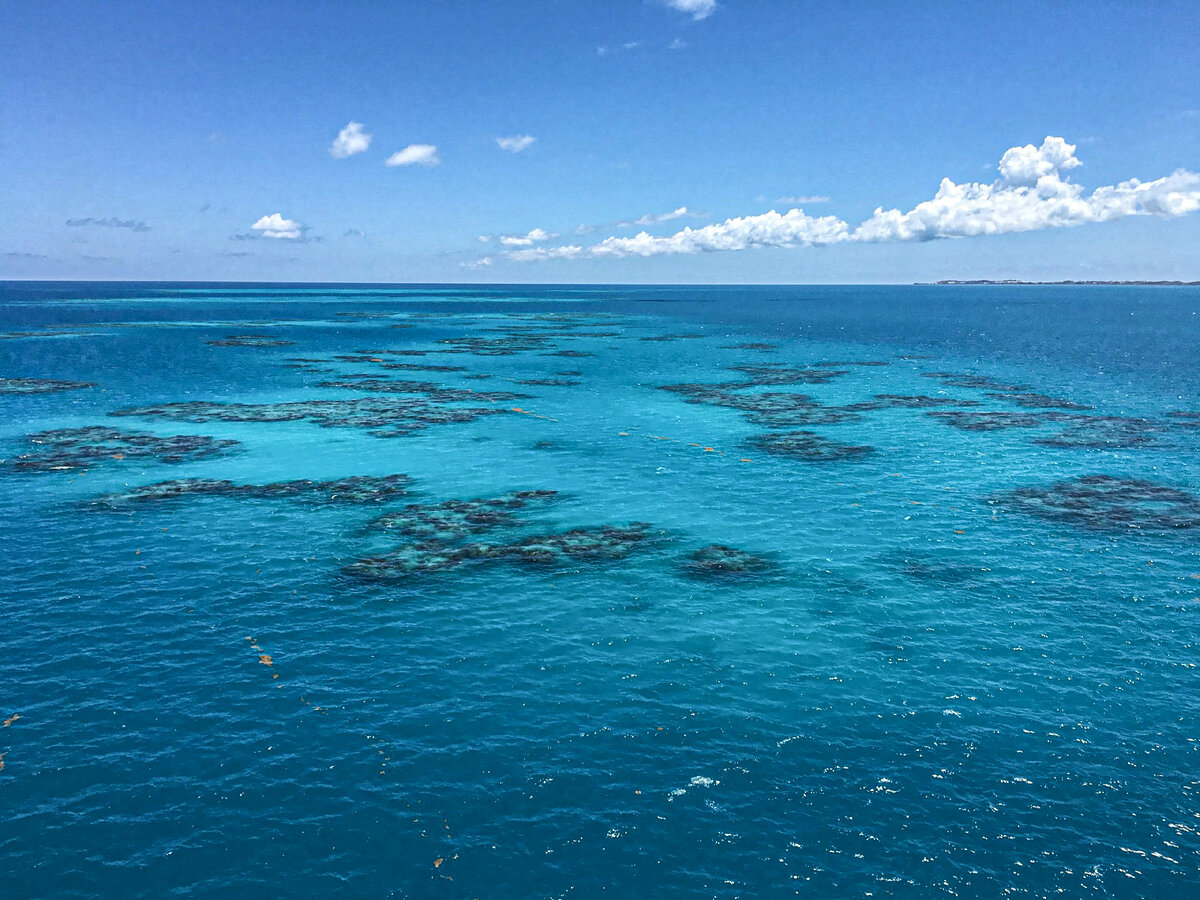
column 600, row 141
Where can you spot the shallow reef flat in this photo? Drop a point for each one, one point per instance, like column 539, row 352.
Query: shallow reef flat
column 382, row 416
column 1106, row 503
column 41, row 385
column 65, row 449
column 356, row 489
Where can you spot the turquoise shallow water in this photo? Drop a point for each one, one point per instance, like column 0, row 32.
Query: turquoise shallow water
column 943, row 656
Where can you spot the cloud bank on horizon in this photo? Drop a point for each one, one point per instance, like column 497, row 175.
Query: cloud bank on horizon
column 1033, row 192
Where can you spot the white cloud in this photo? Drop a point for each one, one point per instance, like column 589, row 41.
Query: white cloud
column 650, row 219
column 415, row 155
column 804, row 198
column 536, row 236
column 477, row 263
column 676, row 44
column 1031, row 193
column 350, row 140
column 276, row 226
column 699, row 9
column 516, row 143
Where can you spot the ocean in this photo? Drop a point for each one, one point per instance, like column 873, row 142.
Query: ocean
column 575, row 591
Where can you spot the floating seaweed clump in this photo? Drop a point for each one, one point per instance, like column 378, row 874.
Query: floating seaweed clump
column 250, row 340
column 808, row 446
column 41, row 385
column 384, row 416
column 1105, row 503
column 604, row 542
column 455, row 519
column 77, row 448
column 720, row 561
column 355, row 489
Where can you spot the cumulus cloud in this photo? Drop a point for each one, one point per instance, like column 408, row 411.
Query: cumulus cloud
column 131, row 224
column 415, row 155
column 516, row 143
column 276, row 226
column 1033, row 192
column 350, row 140
column 697, row 9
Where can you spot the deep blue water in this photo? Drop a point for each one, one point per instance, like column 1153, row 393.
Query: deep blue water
column 947, row 660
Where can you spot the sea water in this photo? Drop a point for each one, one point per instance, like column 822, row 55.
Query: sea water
column 856, row 591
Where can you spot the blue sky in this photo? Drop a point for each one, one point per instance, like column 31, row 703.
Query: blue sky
column 146, row 141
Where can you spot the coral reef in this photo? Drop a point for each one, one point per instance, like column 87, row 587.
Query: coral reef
column 66, row 449
column 1105, row 503
column 41, row 385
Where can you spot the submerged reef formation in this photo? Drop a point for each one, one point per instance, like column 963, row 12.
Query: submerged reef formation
column 454, row 519
column 1112, row 432
column 988, row 420
column 604, row 542
column 250, row 340
column 1105, row 503
column 717, row 561
column 808, row 446
column 355, row 489
column 919, row 401
column 66, row 449
column 1033, row 400
column 440, row 536
column 383, row 416
column 41, row 385
column 435, row 392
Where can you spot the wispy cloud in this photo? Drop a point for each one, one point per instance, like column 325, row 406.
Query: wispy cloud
column 481, row 263
column 350, row 140
column 1033, row 192
column 415, row 155
column 516, row 143
column 804, row 198
column 676, row 44
column 697, row 9
column 354, row 233
column 131, row 224
column 536, row 236
column 14, row 254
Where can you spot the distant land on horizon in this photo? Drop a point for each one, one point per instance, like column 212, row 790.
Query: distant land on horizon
column 1018, row 281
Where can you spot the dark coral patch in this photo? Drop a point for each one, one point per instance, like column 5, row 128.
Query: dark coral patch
column 41, row 385
column 1184, row 419
column 920, row 401
column 808, row 446
column 1105, row 503
column 776, row 374
column 250, row 340
column 605, row 542
column 994, row 420
column 384, row 416
column 434, row 392
column 66, row 449
column 454, row 519
column 1032, row 400
column 968, row 380
column 1103, row 432
column 352, row 490
column 718, row 561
